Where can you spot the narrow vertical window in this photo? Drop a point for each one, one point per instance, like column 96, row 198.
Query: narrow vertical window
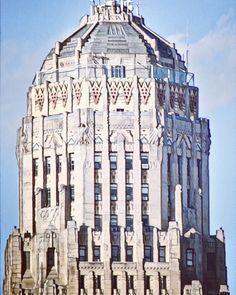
column 129, row 222
column 148, row 253
column 98, row 191
column 162, row 254
column 118, row 71
column 72, row 193
column 113, row 161
column 81, row 282
column 144, row 161
column 199, row 169
column 48, row 165
column 128, row 161
column 115, row 253
column 190, row 257
column 147, row 282
column 130, row 282
column 26, row 261
column 71, row 162
column 98, row 222
column 145, row 192
column 114, row 282
column 188, row 170
column 83, row 253
column 129, row 253
column 113, row 192
column 97, row 282
column 59, row 163
column 169, row 168
column 129, row 192
column 145, row 219
column 180, row 169
column 163, row 283
column 98, row 160
column 48, row 197
column 96, row 253
column 36, row 167
column 114, row 221
column 188, row 198
column 50, row 259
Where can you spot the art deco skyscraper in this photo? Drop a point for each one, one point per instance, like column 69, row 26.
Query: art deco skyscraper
column 113, row 170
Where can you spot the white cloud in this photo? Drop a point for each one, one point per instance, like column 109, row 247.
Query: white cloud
column 213, row 60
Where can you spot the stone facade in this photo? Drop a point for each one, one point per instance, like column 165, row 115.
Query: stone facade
column 113, row 169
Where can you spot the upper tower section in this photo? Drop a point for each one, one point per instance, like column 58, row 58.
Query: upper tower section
column 113, row 34
column 113, row 44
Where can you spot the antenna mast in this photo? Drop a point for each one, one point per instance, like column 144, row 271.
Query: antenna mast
column 187, row 44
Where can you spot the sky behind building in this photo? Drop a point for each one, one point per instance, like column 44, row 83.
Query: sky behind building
column 29, row 31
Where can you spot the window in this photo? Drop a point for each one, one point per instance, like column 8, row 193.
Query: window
column 50, row 259
column 129, row 192
column 98, row 160
column 96, row 253
column 113, row 191
column 36, row 167
column 71, row 162
column 98, row 222
column 26, row 261
column 169, row 167
column 147, row 282
column 145, row 219
column 113, row 176
column 129, row 222
column 113, row 161
column 188, row 170
column 144, row 161
column 180, row 169
column 48, row 165
column 130, row 282
column 128, row 161
column 83, row 253
column 199, row 169
column 114, row 220
column 118, row 71
column 148, row 253
column 115, row 253
column 81, row 282
column 162, row 254
column 144, row 176
column 48, row 197
column 98, row 191
column 163, row 283
column 114, row 282
column 129, row 253
column 169, row 194
column 59, row 163
column 190, row 257
column 97, row 282
column 72, row 193
column 145, row 192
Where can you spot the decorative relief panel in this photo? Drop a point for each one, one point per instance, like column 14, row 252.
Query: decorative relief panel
column 53, row 95
column 77, row 91
column 113, row 90
column 144, row 90
column 39, row 97
column 95, row 88
column 160, row 87
column 193, row 100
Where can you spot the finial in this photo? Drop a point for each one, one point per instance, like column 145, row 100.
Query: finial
column 137, row 7
column 92, row 7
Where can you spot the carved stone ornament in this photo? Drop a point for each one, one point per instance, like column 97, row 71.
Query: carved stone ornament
column 113, row 91
column 161, row 93
column 85, row 133
column 156, row 136
column 77, row 91
column 53, row 95
column 144, row 91
column 95, row 91
column 193, row 100
column 181, row 99
column 127, row 88
column 39, row 97
column 64, row 94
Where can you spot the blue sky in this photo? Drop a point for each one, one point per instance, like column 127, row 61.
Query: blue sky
column 29, row 30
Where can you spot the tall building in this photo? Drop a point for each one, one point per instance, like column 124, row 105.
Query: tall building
column 113, row 170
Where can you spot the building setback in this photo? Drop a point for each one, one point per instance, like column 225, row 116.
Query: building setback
column 113, row 170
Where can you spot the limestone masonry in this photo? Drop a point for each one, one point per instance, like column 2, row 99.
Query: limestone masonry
column 114, row 170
